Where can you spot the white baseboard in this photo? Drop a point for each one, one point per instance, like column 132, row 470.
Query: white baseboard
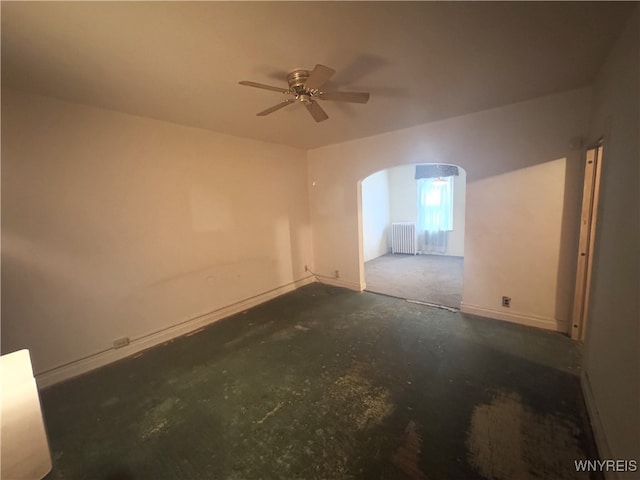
column 604, row 451
column 105, row 357
column 515, row 317
column 338, row 282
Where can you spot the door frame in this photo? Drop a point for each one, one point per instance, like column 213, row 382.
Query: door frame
column 588, row 223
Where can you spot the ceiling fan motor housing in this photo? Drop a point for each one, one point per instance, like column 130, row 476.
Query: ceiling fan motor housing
column 296, row 80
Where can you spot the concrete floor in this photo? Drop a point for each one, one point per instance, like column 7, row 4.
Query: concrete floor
column 428, row 278
column 325, row 383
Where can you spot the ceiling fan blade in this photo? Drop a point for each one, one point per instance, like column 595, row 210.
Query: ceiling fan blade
column 352, row 97
column 262, row 85
column 276, row 107
column 318, row 76
column 316, row 111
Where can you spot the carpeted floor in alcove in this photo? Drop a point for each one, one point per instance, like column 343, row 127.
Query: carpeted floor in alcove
column 433, row 279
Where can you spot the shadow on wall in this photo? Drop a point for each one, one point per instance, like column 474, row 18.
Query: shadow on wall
column 569, row 237
column 522, row 231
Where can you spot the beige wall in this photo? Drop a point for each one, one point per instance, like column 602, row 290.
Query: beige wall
column 115, row 225
column 403, row 195
column 613, row 330
column 523, row 195
column 514, row 225
column 375, row 215
column 455, row 241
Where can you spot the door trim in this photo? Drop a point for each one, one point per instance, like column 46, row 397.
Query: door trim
column 588, row 223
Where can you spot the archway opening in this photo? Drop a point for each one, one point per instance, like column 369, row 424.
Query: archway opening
column 413, row 226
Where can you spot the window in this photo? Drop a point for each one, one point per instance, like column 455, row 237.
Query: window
column 435, row 204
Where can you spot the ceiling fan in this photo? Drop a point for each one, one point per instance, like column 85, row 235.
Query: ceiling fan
column 305, row 86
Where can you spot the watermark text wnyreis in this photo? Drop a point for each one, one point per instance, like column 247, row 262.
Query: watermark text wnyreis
column 606, row 465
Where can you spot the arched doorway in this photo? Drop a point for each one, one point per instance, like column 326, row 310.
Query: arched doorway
column 413, row 220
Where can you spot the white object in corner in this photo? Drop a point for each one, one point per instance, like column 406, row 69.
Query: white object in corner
column 25, row 449
column 403, row 238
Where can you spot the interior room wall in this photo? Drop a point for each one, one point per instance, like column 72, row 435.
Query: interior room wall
column 121, row 226
column 509, row 215
column 455, row 241
column 375, row 215
column 532, row 262
column 613, row 329
column 403, row 194
column 403, row 203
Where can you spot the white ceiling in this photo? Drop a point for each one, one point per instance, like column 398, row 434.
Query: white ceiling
column 421, row 61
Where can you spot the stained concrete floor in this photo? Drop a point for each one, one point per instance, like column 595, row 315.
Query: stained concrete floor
column 325, row 383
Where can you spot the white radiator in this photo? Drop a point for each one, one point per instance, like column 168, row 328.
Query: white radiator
column 403, row 238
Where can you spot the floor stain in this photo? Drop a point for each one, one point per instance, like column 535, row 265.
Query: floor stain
column 407, row 457
column 109, row 402
column 251, row 332
column 271, row 412
column 158, row 418
column 508, row 440
column 366, row 405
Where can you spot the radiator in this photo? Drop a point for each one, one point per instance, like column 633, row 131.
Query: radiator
column 435, row 242
column 403, row 238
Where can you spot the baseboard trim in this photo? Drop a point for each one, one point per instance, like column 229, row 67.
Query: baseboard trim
column 435, row 254
column 100, row 359
column 337, row 282
column 515, row 317
column 604, row 451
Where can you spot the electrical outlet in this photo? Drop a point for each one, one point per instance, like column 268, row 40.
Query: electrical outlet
column 121, row 342
column 336, row 274
column 506, row 302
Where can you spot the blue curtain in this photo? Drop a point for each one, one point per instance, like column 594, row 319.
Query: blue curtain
column 435, row 204
column 435, row 170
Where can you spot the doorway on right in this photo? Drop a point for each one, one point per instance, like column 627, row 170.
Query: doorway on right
column 588, row 217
